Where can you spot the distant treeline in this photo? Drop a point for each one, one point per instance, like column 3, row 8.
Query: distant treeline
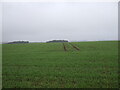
column 17, row 42
column 57, row 41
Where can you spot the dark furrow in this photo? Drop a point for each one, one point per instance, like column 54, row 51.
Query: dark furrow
column 65, row 49
column 74, row 46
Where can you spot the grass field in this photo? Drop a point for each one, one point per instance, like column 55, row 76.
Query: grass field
column 48, row 65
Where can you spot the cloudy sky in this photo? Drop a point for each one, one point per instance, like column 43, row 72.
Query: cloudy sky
column 38, row 21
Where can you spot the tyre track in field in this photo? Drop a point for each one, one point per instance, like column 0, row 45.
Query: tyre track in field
column 65, row 47
column 74, row 46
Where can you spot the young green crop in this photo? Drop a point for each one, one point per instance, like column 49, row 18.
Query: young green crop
column 47, row 65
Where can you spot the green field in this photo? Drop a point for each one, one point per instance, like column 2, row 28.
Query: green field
column 47, row 65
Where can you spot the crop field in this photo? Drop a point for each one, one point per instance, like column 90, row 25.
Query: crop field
column 60, row 65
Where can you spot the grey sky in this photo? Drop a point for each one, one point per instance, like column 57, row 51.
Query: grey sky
column 71, row 21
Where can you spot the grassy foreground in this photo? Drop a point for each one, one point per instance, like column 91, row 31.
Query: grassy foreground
column 47, row 65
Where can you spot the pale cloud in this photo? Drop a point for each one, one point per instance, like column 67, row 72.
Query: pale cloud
column 59, row 0
column 72, row 21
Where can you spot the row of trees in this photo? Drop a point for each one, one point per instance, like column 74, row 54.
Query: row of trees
column 57, row 41
column 17, row 42
column 14, row 42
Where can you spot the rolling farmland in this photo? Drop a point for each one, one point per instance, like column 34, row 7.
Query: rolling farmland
column 61, row 65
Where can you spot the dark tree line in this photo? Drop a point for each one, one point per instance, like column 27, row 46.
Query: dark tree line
column 57, row 41
column 17, row 42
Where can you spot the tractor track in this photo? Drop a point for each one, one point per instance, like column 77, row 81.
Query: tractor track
column 74, row 46
column 65, row 46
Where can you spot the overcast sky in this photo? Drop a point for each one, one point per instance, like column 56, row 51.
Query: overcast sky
column 71, row 21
